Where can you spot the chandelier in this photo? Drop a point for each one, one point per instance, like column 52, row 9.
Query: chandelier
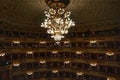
column 58, row 20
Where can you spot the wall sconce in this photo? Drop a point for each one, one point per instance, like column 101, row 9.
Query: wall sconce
column 66, row 42
column 29, row 73
column 66, row 62
column 93, row 64
column 43, row 42
column 54, row 52
column 78, row 52
column 29, row 52
column 16, row 64
column 110, row 53
column 2, row 54
column 54, row 71
column 16, row 42
column 93, row 41
column 42, row 61
column 79, row 73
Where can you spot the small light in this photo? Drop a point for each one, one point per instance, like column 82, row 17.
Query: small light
column 16, row 42
column 93, row 41
column 7, row 62
column 52, row 36
column 54, row 71
column 2, row 54
column 62, row 36
column 29, row 52
column 16, row 64
column 79, row 73
column 54, row 52
column 66, row 42
column 61, row 11
column 29, row 73
column 43, row 42
column 57, row 37
column 93, row 64
column 111, row 78
column 110, row 53
column 57, row 42
column 42, row 61
column 67, row 62
column 52, row 11
column 78, row 52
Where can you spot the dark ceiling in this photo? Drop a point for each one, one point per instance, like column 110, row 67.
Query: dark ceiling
column 28, row 14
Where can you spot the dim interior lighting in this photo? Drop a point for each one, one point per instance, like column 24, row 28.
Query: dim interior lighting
column 79, row 73
column 2, row 54
column 16, row 42
column 42, row 61
column 93, row 64
column 110, row 53
column 54, row 52
column 111, row 78
column 78, row 52
column 29, row 73
column 43, row 42
column 54, row 71
column 29, row 52
column 16, row 64
column 67, row 62
column 93, row 41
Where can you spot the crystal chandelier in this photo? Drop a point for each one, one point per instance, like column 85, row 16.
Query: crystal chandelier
column 57, row 22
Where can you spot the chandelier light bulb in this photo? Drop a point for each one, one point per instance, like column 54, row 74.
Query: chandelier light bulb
column 42, row 25
column 52, row 11
column 62, row 31
column 66, row 31
column 57, row 37
column 52, row 36
column 61, row 11
column 45, row 12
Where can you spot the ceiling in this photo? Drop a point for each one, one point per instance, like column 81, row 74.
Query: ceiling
column 28, row 14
